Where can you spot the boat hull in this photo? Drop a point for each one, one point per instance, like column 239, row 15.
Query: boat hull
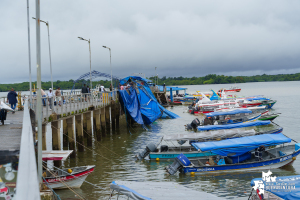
column 74, row 180
column 173, row 155
column 269, row 164
column 233, row 90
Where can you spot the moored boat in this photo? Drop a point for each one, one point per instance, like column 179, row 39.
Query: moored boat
column 239, row 154
column 71, row 177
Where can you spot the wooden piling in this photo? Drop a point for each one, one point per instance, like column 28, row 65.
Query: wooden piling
column 117, row 111
column 89, row 128
column 84, row 123
column 102, row 119
column 113, row 116
column 65, row 134
column 56, row 142
column 97, row 124
column 44, row 140
column 107, row 119
column 70, row 126
column 79, row 132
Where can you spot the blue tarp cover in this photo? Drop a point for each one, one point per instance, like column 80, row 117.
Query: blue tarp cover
column 149, row 108
column 291, row 194
column 233, row 112
column 161, row 88
column 132, row 104
column 231, row 126
column 124, row 80
column 241, row 145
column 257, row 98
column 215, row 96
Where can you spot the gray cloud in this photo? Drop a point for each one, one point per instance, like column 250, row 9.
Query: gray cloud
column 180, row 38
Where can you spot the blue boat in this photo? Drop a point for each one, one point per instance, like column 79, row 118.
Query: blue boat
column 239, row 154
column 231, row 126
column 184, row 141
column 283, row 187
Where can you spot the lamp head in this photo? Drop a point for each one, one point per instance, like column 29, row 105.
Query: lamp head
column 80, row 38
column 104, row 46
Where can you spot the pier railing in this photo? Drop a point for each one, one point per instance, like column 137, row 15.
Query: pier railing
column 71, row 104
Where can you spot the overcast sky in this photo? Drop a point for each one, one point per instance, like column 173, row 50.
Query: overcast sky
column 180, row 38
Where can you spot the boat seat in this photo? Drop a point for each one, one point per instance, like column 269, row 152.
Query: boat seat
column 270, row 154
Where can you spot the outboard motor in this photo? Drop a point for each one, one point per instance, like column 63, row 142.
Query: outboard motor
column 180, row 162
column 195, row 123
column 149, row 148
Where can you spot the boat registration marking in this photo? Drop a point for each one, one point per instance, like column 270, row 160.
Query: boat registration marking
column 286, row 158
column 205, row 169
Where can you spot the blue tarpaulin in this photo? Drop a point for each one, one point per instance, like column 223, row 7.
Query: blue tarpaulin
column 130, row 101
column 124, row 80
column 215, row 96
column 161, row 88
column 233, row 112
column 283, row 192
column 241, row 145
column 231, row 126
column 257, row 98
column 149, row 108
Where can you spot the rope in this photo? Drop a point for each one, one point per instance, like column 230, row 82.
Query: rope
column 70, row 188
column 51, row 189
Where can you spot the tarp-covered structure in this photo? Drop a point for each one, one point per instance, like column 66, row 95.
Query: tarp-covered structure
column 231, row 126
column 239, row 146
column 157, row 191
column 140, row 103
column 283, row 181
column 215, row 96
column 231, row 112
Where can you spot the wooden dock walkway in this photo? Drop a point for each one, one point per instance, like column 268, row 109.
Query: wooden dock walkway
column 11, row 131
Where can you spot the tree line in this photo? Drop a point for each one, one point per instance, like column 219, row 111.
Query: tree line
column 208, row 79
column 221, row 79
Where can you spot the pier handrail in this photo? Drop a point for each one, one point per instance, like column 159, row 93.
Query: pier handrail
column 27, row 180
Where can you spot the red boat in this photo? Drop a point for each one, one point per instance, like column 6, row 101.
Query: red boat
column 232, row 89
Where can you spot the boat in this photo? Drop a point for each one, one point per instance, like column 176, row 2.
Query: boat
column 229, row 117
column 269, row 116
column 239, row 154
column 275, row 188
column 56, row 155
column 147, row 190
column 171, row 146
column 72, row 177
column 233, row 89
column 232, row 126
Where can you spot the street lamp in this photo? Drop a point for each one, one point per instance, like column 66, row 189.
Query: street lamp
column 110, row 65
column 47, row 24
column 89, row 41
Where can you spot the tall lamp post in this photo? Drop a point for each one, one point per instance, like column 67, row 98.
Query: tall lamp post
column 89, row 41
column 47, row 24
column 110, row 66
column 29, row 53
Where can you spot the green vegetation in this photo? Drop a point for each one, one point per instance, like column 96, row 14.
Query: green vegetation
column 208, row 79
column 64, row 85
column 221, row 79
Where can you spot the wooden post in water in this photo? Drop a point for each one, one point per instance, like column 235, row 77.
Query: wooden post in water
column 44, row 130
column 89, row 128
column 70, row 126
column 56, row 139
column 97, row 124
column 117, row 111
column 107, row 120
column 79, row 132
column 84, row 123
column 102, row 119
column 65, row 134
column 113, row 115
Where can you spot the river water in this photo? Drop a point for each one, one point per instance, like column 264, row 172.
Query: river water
column 113, row 155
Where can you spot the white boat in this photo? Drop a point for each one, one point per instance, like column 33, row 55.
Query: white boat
column 62, row 179
column 56, row 155
column 5, row 107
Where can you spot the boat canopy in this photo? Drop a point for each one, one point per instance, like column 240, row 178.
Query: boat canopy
column 157, row 190
column 284, row 193
column 239, row 146
column 231, row 126
column 257, row 98
column 231, row 112
column 209, row 135
column 215, row 96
